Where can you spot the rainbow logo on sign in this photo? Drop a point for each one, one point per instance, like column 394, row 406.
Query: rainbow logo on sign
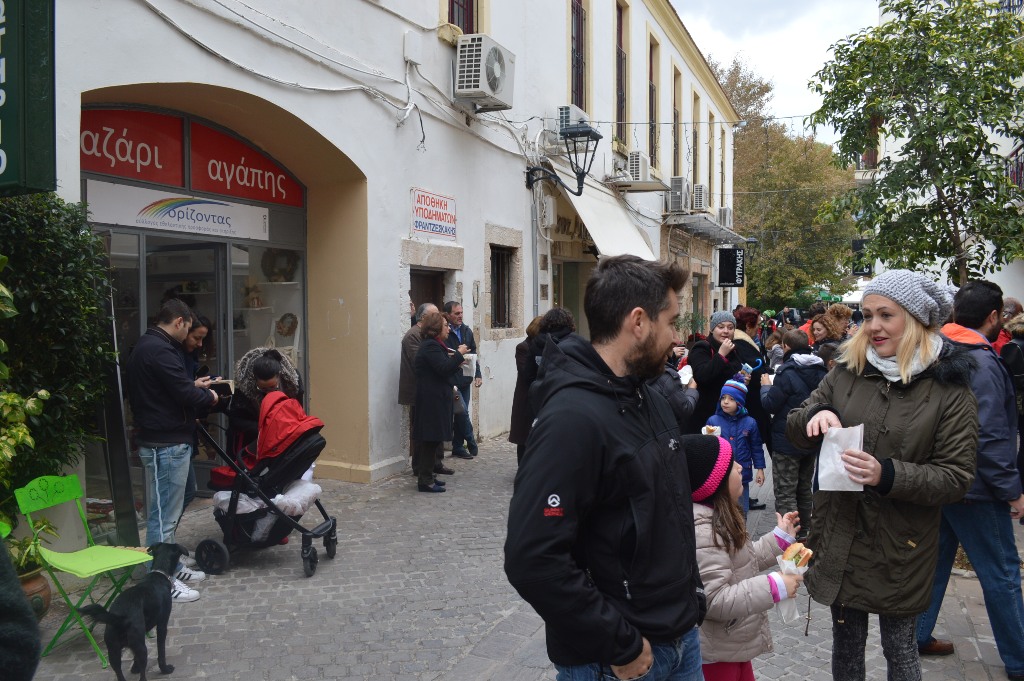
column 164, row 207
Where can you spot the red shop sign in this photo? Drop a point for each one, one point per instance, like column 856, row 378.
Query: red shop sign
column 140, row 145
column 222, row 164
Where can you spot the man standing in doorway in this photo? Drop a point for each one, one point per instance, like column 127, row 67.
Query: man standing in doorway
column 463, row 442
column 164, row 400
column 600, row 529
column 983, row 521
column 407, row 380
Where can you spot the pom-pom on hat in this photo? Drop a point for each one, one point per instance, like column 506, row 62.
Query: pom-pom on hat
column 721, row 317
column 928, row 302
column 709, row 459
column 736, row 389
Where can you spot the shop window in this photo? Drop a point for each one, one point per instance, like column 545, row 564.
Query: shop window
column 501, row 287
column 462, row 13
column 268, row 297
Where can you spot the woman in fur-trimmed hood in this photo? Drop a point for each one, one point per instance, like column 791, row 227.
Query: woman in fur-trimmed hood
column 876, row 549
column 244, row 410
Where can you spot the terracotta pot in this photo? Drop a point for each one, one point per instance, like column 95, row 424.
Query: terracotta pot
column 37, row 591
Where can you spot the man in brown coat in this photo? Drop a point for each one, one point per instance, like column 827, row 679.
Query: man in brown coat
column 406, row 371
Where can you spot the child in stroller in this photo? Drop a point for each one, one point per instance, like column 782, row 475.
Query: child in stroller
column 260, row 495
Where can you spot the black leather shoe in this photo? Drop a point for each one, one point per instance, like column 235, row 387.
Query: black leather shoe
column 473, row 449
column 754, row 506
column 462, row 454
column 441, row 469
column 435, row 488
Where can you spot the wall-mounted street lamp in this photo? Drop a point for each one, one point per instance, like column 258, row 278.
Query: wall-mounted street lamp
column 580, row 146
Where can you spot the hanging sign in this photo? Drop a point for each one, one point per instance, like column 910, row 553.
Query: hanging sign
column 731, row 268
column 433, row 214
column 120, row 204
column 222, row 164
column 28, row 150
column 139, row 145
column 862, row 266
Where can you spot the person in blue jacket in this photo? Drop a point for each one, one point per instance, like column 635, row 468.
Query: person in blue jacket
column 740, row 429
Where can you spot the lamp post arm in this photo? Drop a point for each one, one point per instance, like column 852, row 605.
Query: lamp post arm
column 545, row 174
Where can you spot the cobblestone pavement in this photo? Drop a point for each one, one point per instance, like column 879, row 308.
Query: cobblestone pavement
column 417, row 591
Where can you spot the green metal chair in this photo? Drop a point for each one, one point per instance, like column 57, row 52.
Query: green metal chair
column 99, row 563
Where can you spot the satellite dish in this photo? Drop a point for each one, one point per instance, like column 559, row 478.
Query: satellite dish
column 495, row 69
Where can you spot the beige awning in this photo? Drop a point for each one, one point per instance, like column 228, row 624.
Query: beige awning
column 607, row 219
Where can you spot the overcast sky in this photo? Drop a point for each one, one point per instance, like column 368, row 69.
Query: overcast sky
column 784, row 42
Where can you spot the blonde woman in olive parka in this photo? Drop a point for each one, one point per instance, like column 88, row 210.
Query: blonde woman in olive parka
column 876, row 550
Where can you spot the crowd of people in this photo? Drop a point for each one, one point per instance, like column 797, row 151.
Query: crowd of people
column 615, row 432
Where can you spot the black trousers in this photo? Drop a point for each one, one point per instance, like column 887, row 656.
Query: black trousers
column 429, row 454
column 849, row 637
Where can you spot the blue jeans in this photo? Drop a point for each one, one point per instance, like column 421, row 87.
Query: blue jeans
column 677, row 661
column 166, row 471
column 986, row 532
column 745, row 499
column 462, row 437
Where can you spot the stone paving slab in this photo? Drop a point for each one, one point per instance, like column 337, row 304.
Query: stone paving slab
column 417, row 592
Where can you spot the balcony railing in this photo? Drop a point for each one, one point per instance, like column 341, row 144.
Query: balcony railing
column 620, row 94
column 652, row 110
column 1014, row 6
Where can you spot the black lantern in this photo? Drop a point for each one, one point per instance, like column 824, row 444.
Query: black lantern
column 581, row 148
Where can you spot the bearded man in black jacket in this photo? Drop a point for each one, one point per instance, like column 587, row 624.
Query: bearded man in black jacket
column 600, row 531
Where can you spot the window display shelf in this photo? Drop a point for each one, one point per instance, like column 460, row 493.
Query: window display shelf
column 256, row 309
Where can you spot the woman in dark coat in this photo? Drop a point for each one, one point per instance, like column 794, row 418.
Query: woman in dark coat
column 526, row 371
column 714, row 361
column 434, row 400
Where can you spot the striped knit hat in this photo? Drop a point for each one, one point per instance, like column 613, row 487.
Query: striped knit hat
column 736, row 389
column 708, row 459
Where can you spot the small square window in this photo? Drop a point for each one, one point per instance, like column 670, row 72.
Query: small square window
column 501, row 287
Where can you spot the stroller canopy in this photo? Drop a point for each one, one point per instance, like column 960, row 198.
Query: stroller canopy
column 282, row 422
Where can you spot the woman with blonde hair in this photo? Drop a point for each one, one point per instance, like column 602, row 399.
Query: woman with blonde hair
column 876, row 549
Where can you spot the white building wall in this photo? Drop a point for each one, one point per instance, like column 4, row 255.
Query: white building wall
column 326, row 54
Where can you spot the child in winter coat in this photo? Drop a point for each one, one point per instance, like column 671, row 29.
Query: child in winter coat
column 735, row 629
column 740, row 429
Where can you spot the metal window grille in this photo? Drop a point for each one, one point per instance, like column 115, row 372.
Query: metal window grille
column 1014, row 6
column 501, row 287
column 694, row 155
column 620, row 76
column 652, row 128
column 1015, row 167
column 579, row 51
column 461, row 13
column 675, row 141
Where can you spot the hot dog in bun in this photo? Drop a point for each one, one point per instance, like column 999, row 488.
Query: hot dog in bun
column 798, row 553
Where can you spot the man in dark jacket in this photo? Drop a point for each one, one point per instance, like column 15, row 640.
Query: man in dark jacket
column 983, row 521
column 164, row 400
column 407, row 372
column 600, row 534
column 792, row 467
column 463, row 441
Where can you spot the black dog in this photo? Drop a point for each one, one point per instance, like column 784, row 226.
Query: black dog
column 137, row 610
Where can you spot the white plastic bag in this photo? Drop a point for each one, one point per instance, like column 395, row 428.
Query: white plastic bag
column 832, row 475
column 787, row 608
column 469, row 365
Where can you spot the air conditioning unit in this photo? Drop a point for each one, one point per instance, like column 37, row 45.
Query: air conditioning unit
column 725, row 217
column 569, row 114
column 639, row 166
column 678, row 195
column 484, row 72
column 700, row 197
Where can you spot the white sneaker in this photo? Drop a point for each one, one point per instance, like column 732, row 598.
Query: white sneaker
column 183, row 594
column 188, row 561
column 187, row 574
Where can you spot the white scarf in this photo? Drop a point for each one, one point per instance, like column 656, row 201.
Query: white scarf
column 890, row 368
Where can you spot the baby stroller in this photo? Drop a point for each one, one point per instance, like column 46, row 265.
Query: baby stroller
column 263, row 489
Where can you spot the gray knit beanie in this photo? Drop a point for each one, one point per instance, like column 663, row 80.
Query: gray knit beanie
column 721, row 317
column 929, row 302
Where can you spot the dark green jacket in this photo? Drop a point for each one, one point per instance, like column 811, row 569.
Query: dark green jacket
column 876, row 550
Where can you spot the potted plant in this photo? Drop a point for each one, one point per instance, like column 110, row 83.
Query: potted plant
column 29, row 566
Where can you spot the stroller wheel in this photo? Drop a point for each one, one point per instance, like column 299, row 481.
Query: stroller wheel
column 212, row 556
column 331, row 545
column 309, row 561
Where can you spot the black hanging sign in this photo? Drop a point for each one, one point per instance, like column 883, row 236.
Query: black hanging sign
column 731, row 267
column 862, row 266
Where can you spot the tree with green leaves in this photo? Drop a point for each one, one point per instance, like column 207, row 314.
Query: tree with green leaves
column 939, row 81
column 779, row 183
